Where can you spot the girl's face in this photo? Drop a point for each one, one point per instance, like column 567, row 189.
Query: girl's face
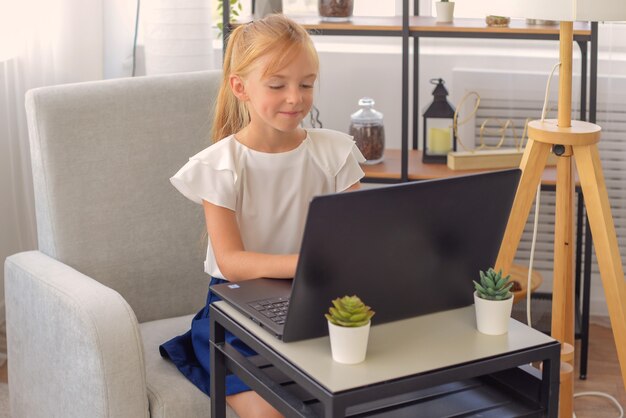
column 278, row 102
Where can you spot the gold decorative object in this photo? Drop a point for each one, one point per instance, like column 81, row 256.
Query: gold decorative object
column 497, row 21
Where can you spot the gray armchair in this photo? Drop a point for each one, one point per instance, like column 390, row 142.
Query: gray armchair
column 119, row 268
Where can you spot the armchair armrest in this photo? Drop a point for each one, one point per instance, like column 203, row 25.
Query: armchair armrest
column 74, row 344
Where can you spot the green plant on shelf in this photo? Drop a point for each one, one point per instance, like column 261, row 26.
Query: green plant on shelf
column 235, row 11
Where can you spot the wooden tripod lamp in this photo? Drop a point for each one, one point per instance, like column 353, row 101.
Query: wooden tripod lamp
column 567, row 139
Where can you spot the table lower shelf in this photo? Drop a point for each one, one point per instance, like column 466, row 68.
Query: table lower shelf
column 508, row 393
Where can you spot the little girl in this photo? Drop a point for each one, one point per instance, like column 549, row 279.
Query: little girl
column 256, row 181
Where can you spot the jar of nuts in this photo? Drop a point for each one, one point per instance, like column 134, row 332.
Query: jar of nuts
column 335, row 10
column 367, row 128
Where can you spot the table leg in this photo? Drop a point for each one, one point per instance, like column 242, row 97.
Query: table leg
column 584, row 326
column 550, row 391
column 218, row 371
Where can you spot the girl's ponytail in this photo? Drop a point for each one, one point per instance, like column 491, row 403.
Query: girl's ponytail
column 230, row 114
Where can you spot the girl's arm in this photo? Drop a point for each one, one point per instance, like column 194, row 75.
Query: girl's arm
column 233, row 261
column 355, row 186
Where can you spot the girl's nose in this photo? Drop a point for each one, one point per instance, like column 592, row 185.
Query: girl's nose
column 294, row 95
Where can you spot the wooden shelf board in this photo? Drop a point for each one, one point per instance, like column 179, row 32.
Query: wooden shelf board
column 517, row 26
column 429, row 24
column 360, row 23
column 389, row 169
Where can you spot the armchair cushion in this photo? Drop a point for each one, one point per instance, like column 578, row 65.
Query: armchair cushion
column 171, row 394
column 102, row 155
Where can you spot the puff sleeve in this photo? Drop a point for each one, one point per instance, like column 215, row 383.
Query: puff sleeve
column 198, row 180
column 350, row 172
column 337, row 154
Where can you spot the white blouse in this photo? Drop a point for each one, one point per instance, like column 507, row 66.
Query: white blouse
column 269, row 192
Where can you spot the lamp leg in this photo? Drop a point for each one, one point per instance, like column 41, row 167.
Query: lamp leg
column 563, row 286
column 532, row 165
column 605, row 242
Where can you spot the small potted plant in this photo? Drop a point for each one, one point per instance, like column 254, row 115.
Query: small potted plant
column 493, row 301
column 348, row 328
column 445, row 11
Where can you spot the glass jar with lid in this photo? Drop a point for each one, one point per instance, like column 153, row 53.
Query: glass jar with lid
column 335, row 10
column 366, row 126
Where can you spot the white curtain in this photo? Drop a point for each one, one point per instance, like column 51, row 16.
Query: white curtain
column 48, row 42
column 42, row 42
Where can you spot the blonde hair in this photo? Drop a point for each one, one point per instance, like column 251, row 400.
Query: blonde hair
column 274, row 34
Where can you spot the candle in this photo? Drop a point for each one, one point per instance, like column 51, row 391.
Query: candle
column 439, row 141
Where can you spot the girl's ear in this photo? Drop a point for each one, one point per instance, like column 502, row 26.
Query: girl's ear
column 238, row 87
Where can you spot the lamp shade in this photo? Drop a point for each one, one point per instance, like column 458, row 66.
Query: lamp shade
column 562, row 10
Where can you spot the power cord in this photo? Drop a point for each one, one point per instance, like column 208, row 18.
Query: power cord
column 135, row 38
column 545, row 99
column 602, row 395
column 532, row 256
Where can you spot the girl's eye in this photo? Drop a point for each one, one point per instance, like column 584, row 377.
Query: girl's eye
column 276, row 87
column 307, row 86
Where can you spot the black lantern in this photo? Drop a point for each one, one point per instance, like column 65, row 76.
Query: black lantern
column 439, row 137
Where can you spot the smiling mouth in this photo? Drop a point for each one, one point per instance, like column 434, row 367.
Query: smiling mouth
column 294, row 113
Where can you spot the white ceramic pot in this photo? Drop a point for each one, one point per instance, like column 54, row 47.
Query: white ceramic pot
column 445, row 11
column 348, row 344
column 263, row 8
column 492, row 316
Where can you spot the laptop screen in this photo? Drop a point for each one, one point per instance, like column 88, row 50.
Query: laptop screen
column 406, row 250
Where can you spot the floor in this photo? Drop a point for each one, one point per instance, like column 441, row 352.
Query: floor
column 4, row 373
column 603, row 375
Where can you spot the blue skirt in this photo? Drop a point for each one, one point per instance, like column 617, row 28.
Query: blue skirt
column 191, row 354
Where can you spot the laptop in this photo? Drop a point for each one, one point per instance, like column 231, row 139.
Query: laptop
column 408, row 249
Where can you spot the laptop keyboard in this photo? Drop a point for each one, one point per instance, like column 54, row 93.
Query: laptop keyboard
column 274, row 308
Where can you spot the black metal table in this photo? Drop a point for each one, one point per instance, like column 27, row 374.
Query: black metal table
column 442, row 367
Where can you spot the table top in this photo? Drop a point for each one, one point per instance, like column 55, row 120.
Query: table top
column 398, row 349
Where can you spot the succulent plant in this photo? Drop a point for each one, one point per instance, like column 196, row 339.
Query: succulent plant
column 349, row 311
column 493, row 286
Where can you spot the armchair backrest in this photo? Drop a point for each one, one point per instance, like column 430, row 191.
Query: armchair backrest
column 102, row 154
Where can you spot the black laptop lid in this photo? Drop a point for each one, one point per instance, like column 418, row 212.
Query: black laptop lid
column 406, row 250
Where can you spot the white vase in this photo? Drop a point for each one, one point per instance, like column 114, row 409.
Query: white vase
column 492, row 316
column 265, row 7
column 445, row 11
column 348, row 344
